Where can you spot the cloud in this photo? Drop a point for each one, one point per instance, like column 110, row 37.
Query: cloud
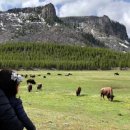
column 30, row 3
column 82, row 7
column 117, row 10
column 8, row 4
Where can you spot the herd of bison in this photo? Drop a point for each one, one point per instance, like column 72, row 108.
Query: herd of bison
column 106, row 91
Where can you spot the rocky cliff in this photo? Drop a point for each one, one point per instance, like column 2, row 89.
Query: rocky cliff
column 111, row 33
column 41, row 24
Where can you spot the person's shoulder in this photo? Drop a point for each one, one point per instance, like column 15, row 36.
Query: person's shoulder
column 18, row 100
column 15, row 100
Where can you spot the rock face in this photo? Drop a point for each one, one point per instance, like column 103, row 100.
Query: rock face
column 41, row 24
column 111, row 33
column 49, row 13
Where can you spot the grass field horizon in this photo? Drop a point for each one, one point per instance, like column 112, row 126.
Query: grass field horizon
column 56, row 106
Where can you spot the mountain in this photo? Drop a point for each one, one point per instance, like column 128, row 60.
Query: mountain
column 41, row 24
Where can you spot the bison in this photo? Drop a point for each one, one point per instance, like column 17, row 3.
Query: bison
column 107, row 91
column 39, row 86
column 68, row 74
column 32, row 75
column 48, row 73
column 29, row 88
column 78, row 91
column 116, row 73
column 31, row 81
column 26, row 76
column 59, row 74
column 44, row 76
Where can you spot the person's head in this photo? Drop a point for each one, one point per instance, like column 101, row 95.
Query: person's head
column 9, row 82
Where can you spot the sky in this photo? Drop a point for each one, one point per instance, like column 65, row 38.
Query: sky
column 117, row 10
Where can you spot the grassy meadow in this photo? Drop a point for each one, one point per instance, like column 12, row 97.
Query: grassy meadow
column 56, row 106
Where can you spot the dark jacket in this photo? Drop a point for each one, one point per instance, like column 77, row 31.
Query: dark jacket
column 18, row 107
column 8, row 117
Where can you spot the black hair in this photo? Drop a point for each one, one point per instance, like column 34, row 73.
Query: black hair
column 8, row 85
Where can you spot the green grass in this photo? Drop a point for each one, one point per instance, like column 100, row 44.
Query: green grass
column 57, row 107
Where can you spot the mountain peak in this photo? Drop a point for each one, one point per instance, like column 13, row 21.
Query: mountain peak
column 48, row 13
column 38, row 9
column 41, row 24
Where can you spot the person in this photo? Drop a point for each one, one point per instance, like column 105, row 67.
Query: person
column 9, row 84
column 8, row 118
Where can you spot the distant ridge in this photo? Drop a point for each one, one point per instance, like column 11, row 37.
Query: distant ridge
column 41, row 24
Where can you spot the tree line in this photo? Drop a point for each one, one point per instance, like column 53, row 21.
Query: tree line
column 61, row 57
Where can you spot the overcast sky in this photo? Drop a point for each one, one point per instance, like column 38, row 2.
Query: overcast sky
column 118, row 10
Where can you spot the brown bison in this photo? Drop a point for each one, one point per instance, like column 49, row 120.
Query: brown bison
column 107, row 91
column 39, row 86
column 78, row 91
column 31, row 81
column 29, row 88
